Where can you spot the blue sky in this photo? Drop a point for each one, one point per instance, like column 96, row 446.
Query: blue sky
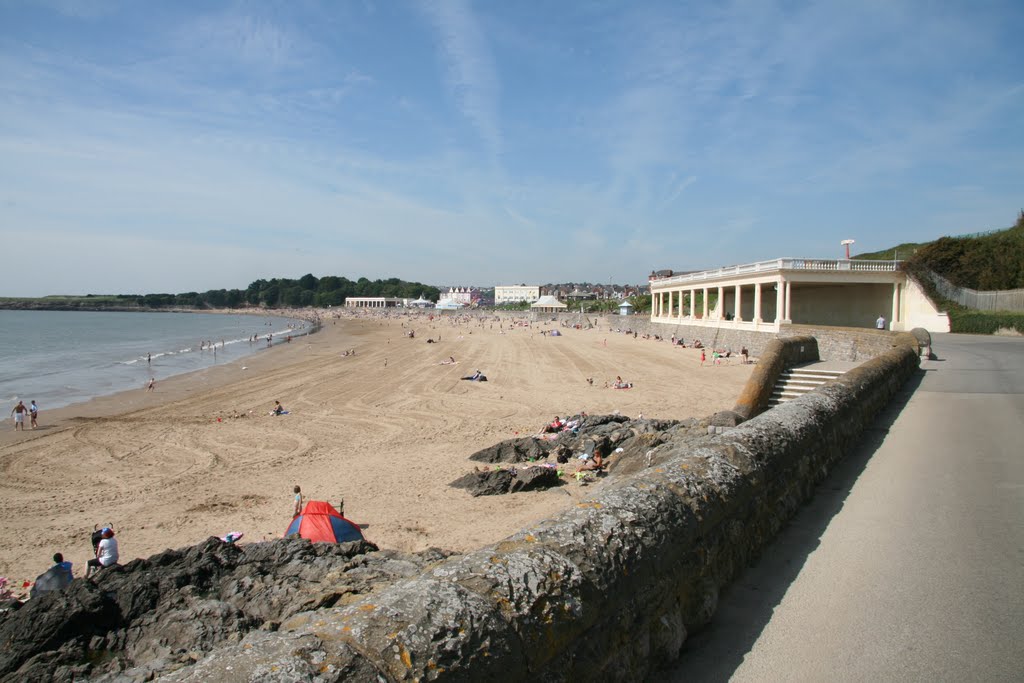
column 181, row 146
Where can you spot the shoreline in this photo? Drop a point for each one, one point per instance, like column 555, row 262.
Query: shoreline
column 306, row 323
column 169, row 389
column 386, row 429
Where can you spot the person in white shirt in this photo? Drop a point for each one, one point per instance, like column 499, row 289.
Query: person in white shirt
column 880, row 323
column 106, row 552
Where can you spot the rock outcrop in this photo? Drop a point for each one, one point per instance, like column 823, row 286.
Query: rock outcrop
column 155, row 615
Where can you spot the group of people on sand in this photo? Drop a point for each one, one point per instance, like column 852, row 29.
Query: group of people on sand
column 21, row 410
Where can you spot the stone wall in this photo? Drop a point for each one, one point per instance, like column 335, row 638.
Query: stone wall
column 780, row 354
column 834, row 343
column 609, row 589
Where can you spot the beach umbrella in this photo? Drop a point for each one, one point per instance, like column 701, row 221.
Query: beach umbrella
column 320, row 522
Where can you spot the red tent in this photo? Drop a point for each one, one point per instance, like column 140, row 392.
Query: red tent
column 320, row 522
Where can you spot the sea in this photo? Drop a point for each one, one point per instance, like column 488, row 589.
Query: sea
column 58, row 358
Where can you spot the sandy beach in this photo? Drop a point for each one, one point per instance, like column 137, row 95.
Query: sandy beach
column 386, row 429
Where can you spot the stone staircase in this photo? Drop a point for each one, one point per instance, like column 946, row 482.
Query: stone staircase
column 795, row 382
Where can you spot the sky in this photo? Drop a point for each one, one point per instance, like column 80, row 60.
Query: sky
column 186, row 146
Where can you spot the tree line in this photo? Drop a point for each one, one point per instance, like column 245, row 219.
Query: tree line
column 308, row 290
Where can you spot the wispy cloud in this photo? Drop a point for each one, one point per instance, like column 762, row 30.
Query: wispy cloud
column 243, row 38
column 471, row 76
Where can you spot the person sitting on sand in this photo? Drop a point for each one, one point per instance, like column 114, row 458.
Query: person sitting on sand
column 278, row 409
column 106, row 552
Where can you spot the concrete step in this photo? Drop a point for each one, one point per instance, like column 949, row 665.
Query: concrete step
column 795, row 382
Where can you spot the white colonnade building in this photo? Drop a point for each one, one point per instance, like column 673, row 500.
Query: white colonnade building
column 766, row 295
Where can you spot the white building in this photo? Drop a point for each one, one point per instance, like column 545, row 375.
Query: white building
column 765, row 296
column 372, row 302
column 510, row 294
column 460, row 295
column 548, row 304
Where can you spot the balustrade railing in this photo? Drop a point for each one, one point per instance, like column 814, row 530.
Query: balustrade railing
column 780, row 264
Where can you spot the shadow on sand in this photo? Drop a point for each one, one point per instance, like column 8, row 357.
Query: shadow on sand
column 746, row 606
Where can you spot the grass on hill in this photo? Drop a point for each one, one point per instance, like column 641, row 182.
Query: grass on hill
column 988, row 261
column 897, row 253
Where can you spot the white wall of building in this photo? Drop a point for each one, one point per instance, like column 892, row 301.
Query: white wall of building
column 919, row 311
column 508, row 294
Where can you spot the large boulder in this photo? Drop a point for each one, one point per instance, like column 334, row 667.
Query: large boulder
column 501, row 481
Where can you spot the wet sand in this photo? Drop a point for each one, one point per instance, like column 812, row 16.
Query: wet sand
column 167, row 473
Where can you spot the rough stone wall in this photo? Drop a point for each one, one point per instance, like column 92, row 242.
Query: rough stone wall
column 834, row 343
column 609, row 589
column 781, row 353
column 850, row 344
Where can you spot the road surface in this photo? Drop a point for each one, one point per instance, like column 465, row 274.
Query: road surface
column 908, row 564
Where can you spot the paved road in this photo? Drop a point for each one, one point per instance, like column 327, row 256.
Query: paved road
column 908, row 565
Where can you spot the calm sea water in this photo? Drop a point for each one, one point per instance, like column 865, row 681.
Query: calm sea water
column 62, row 357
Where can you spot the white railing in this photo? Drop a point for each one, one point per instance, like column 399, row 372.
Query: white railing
column 788, row 263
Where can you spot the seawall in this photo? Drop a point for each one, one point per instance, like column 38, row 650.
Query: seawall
column 609, row 589
column 834, row 343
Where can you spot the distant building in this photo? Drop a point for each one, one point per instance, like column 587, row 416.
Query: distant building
column 548, row 304
column 577, row 295
column 510, row 294
column 461, row 295
column 372, row 302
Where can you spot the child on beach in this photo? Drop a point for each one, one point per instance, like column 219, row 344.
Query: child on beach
column 298, row 500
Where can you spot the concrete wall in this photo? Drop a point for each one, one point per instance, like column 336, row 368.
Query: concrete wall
column 848, row 305
column 609, row 589
column 919, row 311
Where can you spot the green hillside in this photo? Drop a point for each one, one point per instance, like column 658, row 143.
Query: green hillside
column 897, row 253
column 986, row 261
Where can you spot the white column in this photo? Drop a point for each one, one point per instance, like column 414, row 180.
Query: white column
column 739, row 301
column 895, row 306
column 705, row 303
column 780, row 293
column 693, row 304
column 757, row 302
column 720, row 304
column 789, row 302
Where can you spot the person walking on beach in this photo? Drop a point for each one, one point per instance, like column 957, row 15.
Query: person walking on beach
column 19, row 412
column 152, row 384
column 33, row 411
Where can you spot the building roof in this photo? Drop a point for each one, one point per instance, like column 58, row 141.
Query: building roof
column 548, row 301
